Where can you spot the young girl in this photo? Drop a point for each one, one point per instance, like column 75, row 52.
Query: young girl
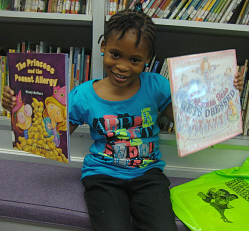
column 123, row 176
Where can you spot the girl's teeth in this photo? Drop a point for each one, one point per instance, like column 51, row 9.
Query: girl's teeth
column 120, row 76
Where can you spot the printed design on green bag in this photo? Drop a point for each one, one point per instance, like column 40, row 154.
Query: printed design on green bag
column 219, row 199
column 239, row 186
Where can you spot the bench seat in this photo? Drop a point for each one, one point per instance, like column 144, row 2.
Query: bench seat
column 47, row 194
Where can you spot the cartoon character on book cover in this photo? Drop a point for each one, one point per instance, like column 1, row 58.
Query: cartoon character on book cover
column 39, row 120
column 205, row 101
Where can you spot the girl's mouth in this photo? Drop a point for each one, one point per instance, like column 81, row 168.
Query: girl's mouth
column 120, row 77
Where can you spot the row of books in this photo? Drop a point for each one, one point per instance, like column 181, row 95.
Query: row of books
column 221, row 11
column 49, row 6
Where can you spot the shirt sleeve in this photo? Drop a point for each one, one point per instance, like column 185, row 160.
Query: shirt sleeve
column 76, row 109
column 163, row 93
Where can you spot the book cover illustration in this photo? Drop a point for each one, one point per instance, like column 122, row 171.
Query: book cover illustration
column 39, row 120
column 206, row 104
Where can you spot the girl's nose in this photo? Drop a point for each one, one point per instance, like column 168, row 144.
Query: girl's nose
column 122, row 66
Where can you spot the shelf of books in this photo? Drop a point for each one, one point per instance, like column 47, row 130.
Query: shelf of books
column 197, row 27
column 45, row 18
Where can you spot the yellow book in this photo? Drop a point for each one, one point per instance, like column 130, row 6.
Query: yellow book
column 208, row 10
column 242, row 12
column 3, row 78
column 203, row 10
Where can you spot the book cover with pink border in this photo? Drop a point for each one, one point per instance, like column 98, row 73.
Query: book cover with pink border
column 206, row 104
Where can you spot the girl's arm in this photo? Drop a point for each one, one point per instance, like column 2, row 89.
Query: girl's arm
column 168, row 111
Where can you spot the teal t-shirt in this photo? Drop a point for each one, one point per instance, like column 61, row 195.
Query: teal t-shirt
column 125, row 133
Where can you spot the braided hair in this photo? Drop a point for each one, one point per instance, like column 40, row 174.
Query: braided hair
column 127, row 19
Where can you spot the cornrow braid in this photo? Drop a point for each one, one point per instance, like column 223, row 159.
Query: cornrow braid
column 124, row 20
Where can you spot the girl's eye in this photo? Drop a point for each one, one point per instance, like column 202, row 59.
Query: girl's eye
column 115, row 55
column 51, row 107
column 58, row 112
column 135, row 61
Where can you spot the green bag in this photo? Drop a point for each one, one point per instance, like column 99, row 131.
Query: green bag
column 217, row 201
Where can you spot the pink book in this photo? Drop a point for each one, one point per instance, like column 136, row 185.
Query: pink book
column 206, row 104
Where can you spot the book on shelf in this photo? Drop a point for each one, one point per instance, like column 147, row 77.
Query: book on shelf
column 3, row 80
column 245, row 15
column 205, row 102
column 223, row 10
column 39, row 121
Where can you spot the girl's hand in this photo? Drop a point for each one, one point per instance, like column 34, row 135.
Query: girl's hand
column 8, row 100
column 239, row 81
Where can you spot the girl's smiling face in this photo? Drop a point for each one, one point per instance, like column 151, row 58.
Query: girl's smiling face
column 123, row 60
column 54, row 110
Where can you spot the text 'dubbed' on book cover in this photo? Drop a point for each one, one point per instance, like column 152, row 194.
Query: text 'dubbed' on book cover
column 206, row 104
column 39, row 121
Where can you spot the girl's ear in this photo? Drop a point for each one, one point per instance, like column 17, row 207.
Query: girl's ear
column 102, row 46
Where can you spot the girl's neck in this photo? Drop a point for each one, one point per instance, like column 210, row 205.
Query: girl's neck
column 107, row 91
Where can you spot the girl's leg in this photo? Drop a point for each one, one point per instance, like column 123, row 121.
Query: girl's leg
column 150, row 202
column 107, row 202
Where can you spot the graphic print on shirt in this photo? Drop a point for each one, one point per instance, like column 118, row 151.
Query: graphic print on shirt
column 123, row 134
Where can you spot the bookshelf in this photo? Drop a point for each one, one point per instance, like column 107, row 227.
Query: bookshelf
column 187, row 37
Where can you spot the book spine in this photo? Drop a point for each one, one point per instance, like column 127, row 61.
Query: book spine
column 229, row 9
column 230, row 14
column 222, row 11
column 242, row 12
column 155, row 7
column 164, row 7
column 169, row 7
column 200, row 10
column 190, row 9
column 155, row 67
column 179, row 16
column 207, row 10
column 243, row 20
column 177, row 9
column 216, row 15
column 213, row 11
column 149, row 6
column 159, row 9
column 199, row 17
column 191, row 17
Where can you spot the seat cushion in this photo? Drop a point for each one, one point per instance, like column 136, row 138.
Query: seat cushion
column 47, row 194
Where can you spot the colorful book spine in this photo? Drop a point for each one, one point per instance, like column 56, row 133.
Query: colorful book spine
column 155, row 15
column 242, row 12
column 200, row 10
column 213, row 11
column 222, row 11
column 244, row 19
column 199, row 17
column 228, row 10
column 177, row 9
column 230, row 14
column 207, row 10
column 184, row 9
column 192, row 15
column 164, row 7
column 190, row 9
column 155, row 7
column 149, row 6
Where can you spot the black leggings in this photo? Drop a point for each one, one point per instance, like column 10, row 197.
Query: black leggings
column 113, row 201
